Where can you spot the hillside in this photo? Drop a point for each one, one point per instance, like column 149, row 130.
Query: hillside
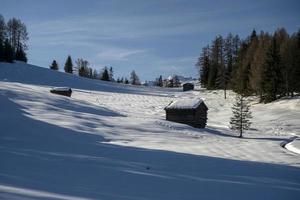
column 111, row 141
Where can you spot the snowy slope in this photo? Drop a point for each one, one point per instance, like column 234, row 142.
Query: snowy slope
column 111, row 141
column 30, row 74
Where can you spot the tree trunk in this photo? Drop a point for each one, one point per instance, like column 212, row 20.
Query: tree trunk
column 260, row 96
column 241, row 119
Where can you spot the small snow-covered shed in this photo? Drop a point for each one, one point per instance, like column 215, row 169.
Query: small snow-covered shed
column 188, row 86
column 65, row 91
column 188, row 111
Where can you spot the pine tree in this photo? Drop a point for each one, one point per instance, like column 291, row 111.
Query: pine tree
column 95, row 74
column 253, row 36
column 236, row 44
column 126, row 81
column 82, row 66
column 258, row 64
column 54, row 65
column 111, row 74
column 296, row 63
column 8, row 52
column 204, row 66
column 287, row 68
column 90, row 72
column 69, row 65
column 271, row 75
column 2, row 37
column 20, row 54
column 17, row 34
column 105, row 74
column 247, row 64
column 134, row 79
column 242, row 73
column 2, row 28
column 159, row 81
column 222, row 75
column 1, row 50
column 240, row 121
column 236, row 48
column 228, row 57
column 83, row 71
column 282, row 38
column 216, row 52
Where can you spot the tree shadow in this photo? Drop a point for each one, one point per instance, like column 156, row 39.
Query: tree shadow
column 245, row 136
column 218, row 132
column 44, row 161
column 65, row 103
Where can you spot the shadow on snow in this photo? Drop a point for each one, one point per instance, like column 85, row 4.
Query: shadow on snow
column 40, row 159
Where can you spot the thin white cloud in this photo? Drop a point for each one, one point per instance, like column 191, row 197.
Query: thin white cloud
column 120, row 27
column 118, row 54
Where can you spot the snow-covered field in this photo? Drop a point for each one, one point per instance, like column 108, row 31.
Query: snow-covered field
column 111, row 141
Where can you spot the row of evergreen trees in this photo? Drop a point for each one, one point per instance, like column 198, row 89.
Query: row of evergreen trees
column 263, row 64
column 123, row 80
column 133, row 80
column 171, row 81
column 13, row 39
column 82, row 69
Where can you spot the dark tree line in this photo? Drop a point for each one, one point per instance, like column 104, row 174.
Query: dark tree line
column 82, row 69
column 171, row 81
column 133, row 80
column 123, row 80
column 217, row 62
column 263, row 64
column 13, row 39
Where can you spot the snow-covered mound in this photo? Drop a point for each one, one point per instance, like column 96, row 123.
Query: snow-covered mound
column 61, row 89
column 111, row 141
column 294, row 146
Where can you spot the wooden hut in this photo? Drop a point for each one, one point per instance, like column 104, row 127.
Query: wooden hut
column 188, row 111
column 65, row 91
column 188, row 86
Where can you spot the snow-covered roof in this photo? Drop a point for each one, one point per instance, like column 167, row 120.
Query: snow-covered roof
column 61, row 88
column 185, row 104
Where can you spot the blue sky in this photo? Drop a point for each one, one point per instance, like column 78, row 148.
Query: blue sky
column 152, row 37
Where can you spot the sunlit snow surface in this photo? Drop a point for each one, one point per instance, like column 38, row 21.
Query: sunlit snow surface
column 111, row 141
